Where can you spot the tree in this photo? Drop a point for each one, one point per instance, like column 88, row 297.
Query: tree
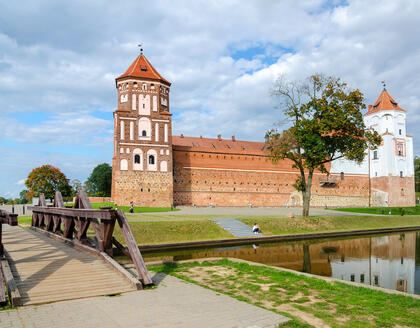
column 23, row 197
column 47, row 179
column 99, row 181
column 76, row 185
column 417, row 173
column 327, row 124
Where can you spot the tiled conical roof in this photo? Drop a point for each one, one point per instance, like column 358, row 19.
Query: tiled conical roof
column 142, row 68
column 384, row 102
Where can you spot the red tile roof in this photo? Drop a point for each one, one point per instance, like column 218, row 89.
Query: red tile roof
column 142, row 68
column 384, row 102
column 218, row 145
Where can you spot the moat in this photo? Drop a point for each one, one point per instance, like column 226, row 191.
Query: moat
column 390, row 261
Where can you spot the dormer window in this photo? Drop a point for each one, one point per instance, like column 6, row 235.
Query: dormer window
column 143, row 68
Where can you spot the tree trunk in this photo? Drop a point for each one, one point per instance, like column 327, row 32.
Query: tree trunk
column 306, row 195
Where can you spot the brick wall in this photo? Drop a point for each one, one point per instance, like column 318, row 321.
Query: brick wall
column 393, row 191
column 143, row 188
column 238, row 180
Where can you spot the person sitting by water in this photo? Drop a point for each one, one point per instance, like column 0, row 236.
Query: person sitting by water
column 256, row 228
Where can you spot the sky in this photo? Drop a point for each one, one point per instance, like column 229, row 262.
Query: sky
column 59, row 60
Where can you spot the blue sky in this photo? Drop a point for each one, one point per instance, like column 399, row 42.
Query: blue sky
column 59, row 60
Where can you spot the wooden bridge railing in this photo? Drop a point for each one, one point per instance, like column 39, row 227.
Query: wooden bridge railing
column 73, row 223
column 6, row 277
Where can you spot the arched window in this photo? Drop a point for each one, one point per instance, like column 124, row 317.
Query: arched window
column 342, row 175
column 152, row 160
column 145, row 128
column 137, row 159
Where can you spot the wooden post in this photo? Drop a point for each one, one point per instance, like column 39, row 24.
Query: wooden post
column 133, row 249
column 58, row 202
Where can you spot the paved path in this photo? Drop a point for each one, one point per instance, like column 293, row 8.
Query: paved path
column 201, row 213
column 235, row 227
column 174, row 304
column 47, row 270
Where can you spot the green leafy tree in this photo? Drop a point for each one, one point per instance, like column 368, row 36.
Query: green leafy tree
column 47, row 179
column 417, row 173
column 326, row 124
column 99, row 181
column 23, row 197
column 3, row 200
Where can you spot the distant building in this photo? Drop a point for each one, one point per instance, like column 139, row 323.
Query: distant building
column 151, row 167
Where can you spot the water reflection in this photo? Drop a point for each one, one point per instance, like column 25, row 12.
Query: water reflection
column 389, row 261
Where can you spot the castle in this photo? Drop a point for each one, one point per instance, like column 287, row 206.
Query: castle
column 152, row 167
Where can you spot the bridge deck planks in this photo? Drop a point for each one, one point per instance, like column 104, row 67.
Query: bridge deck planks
column 47, row 270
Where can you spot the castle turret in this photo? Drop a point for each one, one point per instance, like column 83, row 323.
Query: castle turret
column 391, row 165
column 142, row 162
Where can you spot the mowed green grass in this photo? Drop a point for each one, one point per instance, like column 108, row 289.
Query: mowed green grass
column 137, row 209
column 304, row 299
column 298, row 225
column 413, row 210
column 172, row 232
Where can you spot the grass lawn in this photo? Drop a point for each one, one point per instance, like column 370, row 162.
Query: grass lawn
column 155, row 230
column 137, row 209
column 171, row 232
column 305, row 300
column 414, row 210
column 165, row 231
column 281, row 226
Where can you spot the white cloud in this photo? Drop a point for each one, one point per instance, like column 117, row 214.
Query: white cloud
column 21, row 182
column 65, row 65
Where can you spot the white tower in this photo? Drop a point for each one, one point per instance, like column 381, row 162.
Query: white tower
column 391, row 165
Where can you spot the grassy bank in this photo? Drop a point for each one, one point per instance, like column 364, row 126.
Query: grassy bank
column 281, row 226
column 306, row 300
column 172, row 232
column 413, row 210
column 182, row 229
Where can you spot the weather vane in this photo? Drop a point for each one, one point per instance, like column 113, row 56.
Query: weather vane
column 384, row 85
column 141, row 49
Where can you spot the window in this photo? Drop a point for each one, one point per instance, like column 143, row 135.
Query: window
column 342, row 175
column 400, row 148
column 137, row 159
column 375, row 154
column 151, row 160
column 402, row 260
column 376, row 280
column 144, row 87
column 362, row 278
column 352, row 277
column 143, row 68
column 144, row 133
column 401, row 174
column 400, row 131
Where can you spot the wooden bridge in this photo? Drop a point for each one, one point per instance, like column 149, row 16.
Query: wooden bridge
column 60, row 258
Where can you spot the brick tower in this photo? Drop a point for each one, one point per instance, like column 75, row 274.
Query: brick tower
column 142, row 162
column 391, row 165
